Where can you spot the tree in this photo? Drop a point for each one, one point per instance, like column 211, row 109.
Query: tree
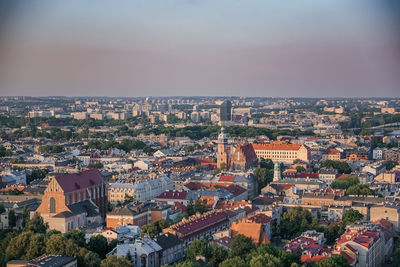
column 12, row 219
column 396, row 256
column 294, row 222
column 199, row 247
column 359, row 189
column 18, row 246
column 335, row 260
column 113, row 261
column 263, row 176
column 300, row 169
column 333, row 231
column 241, row 246
column 188, row 263
column 342, row 167
column 36, row 246
column 98, row 244
column 190, row 208
column 200, row 207
column 217, row 254
column 5, row 152
column 233, row 262
column 153, row 228
column 56, row 245
column 344, row 183
column 2, row 209
column 36, row 225
column 351, row 216
column 266, row 164
column 77, row 236
column 25, row 216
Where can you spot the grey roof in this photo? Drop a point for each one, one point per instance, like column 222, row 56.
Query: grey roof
column 167, row 241
column 85, row 206
column 51, row 261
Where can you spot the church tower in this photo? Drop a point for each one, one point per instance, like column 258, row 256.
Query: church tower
column 277, row 171
column 222, row 156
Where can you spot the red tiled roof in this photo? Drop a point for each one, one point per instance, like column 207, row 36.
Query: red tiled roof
column 260, row 218
column 307, row 258
column 332, row 151
column 194, row 224
column 304, row 175
column 75, row 181
column 276, row 146
column 226, row 178
column 173, row 194
column 248, row 152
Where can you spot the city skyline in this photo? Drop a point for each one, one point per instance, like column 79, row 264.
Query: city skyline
column 190, row 48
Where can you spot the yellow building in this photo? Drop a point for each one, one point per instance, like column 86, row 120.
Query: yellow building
column 282, row 152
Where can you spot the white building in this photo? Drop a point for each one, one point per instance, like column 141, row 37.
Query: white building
column 144, row 252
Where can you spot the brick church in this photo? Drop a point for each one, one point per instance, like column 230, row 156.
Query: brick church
column 239, row 157
column 74, row 200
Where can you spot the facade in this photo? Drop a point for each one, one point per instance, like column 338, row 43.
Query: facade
column 145, row 252
column 141, row 191
column 200, row 226
column 74, row 200
column 331, row 154
column 366, row 241
column 390, row 213
column 287, row 153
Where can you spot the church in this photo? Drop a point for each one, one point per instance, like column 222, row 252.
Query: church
column 238, row 157
column 74, row 200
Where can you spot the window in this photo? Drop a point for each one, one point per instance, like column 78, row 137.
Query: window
column 52, row 205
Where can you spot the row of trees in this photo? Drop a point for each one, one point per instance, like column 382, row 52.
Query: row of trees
column 297, row 220
column 243, row 253
column 340, row 166
column 34, row 240
column 52, row 149
column 126, row 145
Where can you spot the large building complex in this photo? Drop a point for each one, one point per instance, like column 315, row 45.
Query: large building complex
column 287, row 153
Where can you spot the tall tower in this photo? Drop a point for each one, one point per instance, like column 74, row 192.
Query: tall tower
column 277, row 171
column 222, row 156
column 226, row 111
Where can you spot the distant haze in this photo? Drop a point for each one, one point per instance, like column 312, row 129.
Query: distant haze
column 322, row 48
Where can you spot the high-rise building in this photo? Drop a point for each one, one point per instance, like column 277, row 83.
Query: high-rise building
column 226, row 110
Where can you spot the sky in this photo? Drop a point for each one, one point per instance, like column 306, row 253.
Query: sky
column 266, row 48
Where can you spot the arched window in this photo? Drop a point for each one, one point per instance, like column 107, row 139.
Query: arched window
column 52, row 205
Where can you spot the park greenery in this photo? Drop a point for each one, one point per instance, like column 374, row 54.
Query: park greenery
column 34, row 240
column 345, row 182
column 51, row 149
column 340, row 166
column 243, row 253
column 154, row 228
column 298, row 220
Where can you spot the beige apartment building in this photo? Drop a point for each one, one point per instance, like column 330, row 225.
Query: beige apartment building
column 282, row 152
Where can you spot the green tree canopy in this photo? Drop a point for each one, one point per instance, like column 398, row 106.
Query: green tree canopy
column 98, row 244
column 359, row 189
column 294, row 222
column 233, row 262
column 344, row 183
column 342, row 167
column 241, row 245
column 113, row 261
column 351, row 216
